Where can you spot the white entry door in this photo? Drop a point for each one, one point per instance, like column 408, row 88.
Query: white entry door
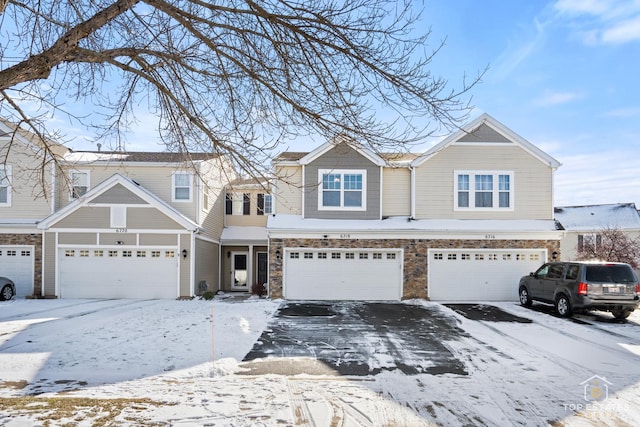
column 343, row 274
column 17, row 264
column 118, row 273
column 479, row 274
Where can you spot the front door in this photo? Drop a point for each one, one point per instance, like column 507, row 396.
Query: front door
column 239, row 270
column 263, row 272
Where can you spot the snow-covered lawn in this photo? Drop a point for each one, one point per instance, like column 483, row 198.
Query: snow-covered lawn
column 179, row 363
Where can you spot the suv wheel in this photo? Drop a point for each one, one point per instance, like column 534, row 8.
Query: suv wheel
column 6, row 294
column 621, row 314
column 525, row 298
column 563, row 306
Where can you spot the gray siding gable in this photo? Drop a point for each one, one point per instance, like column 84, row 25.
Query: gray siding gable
column 118, row 194
column 484, row 133
column 340, row 157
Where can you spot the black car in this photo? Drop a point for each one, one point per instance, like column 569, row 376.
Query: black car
column 576, row 286
column 7, row 289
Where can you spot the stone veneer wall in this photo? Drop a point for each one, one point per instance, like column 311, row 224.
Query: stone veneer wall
column 415, row 255
column 34, row 240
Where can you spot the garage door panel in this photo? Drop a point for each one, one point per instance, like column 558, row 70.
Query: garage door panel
column 327, row 275
column 17, row 264
column 127, row 273
column 479, row 275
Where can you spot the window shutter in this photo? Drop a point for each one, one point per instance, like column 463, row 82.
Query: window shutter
column 580, row 242
column 246, row 204
column 229, row 204
column 598, row 241
column 260, row 204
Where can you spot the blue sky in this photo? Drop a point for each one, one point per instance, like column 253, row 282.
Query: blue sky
column 562, row 74
column 565, row 75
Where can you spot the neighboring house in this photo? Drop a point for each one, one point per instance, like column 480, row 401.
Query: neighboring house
column 135, row 225
column 244, row 241
column 583, row 224
column 462, row 221
column 27, row 177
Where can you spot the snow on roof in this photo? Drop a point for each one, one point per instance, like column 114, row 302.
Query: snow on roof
column 595, row 217
column 296, row 222
column 243, row 234
column 136, row 156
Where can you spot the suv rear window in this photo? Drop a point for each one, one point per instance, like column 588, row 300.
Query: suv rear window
column 609, row 274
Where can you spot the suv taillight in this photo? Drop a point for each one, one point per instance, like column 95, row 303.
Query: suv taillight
column 582, row 288
column 638, row 288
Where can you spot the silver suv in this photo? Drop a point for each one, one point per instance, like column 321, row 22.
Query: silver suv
column 574, row 286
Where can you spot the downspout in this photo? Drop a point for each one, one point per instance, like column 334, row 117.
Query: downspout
column 412, row 191
column 381, row 191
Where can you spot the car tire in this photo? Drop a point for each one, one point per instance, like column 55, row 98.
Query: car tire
column 525, row 297
column 621, row 314
column 6, row 294
column 563, row 306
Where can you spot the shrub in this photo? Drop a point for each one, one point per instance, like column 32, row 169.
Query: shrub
column 208, row 295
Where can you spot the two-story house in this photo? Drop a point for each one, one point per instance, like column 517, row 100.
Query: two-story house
column 27, row 174
column 135, row 225
column 462, row 221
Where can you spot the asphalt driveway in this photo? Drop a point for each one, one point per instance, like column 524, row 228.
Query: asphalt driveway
column 349, row 338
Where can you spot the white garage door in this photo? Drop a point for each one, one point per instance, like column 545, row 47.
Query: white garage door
column 16, row 263
column 480, row 275
column 349, row 274
column 118, row 273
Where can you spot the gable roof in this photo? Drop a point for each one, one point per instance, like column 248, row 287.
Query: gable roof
column 486, row 129
column 598, row 217
column 135, row 156
column 327, row 146
column 12, row 130
column 129, row 184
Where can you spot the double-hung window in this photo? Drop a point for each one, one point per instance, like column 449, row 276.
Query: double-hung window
column 238, row 204
column 181, row 187
column 484, row 190
column 5, row 185
column 342, row 189
column 265, row 204
column 79, row 183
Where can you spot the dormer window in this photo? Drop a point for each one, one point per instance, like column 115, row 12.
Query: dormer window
column 342, row 189
column 79, row 183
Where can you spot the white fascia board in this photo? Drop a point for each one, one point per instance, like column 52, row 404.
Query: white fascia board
column 370, row 155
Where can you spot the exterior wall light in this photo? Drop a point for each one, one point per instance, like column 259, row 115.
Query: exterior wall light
column 184, row 253
column 277, row 254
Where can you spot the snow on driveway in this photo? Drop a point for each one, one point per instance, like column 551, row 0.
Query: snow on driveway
column 550, row 371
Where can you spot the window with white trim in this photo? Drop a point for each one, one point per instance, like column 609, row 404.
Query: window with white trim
column 342, row 189
column 265, row 204
column 80, row 181
column 181, row 191
column 238, row 204
column 483, row 190
column 5, row 185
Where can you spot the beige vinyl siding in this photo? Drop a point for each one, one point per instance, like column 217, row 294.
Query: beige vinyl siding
column 77, row 238
column 158, row 239
column 156, row 179
column 49, row 264
column 149, row 219
column 288, row 190
column 569, row 242
column 216, row 173
column 86, row 217
column 531, row 183
column 185, row 266
column 253, row 219
column 27, row 198
column 396, row 192
column 110, row 239
column 206, row 264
